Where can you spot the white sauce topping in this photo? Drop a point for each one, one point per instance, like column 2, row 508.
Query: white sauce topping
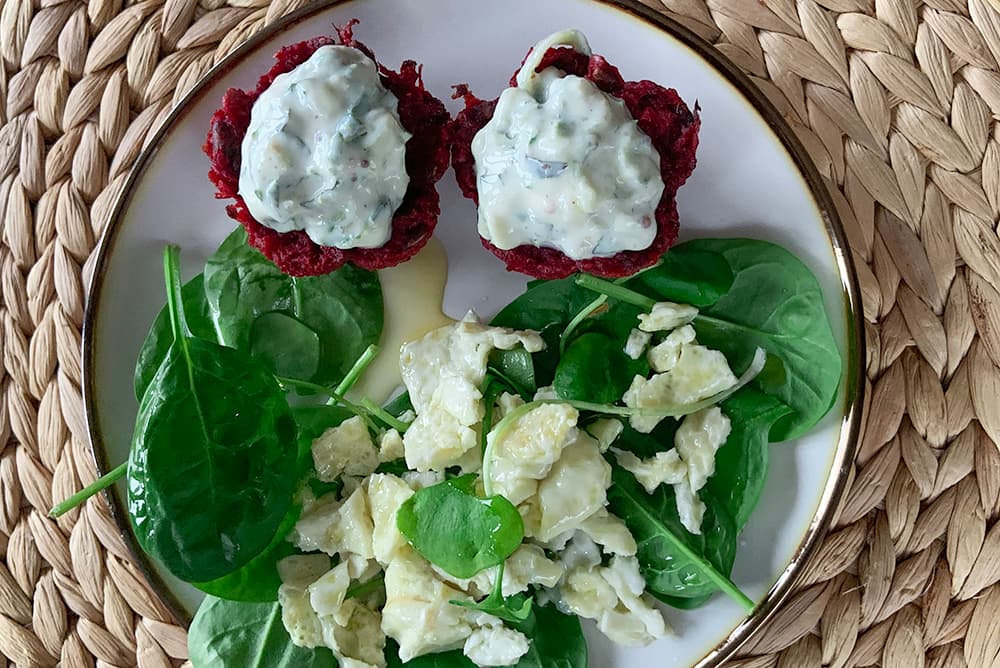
column 564, row 165
column 325, row 152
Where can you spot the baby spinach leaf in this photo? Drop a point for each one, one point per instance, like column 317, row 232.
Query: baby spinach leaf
column 212, row 466
column 160, row 336
column 544, row 303
column 249, row 635
column 556, row 640
column 647, row 445
column 399, row 405
column 516, row 368
column 687, row 275
column 258, row 581
column 212, row 469
column 587, row 370
column 455, row 530
column 450, row 659
column 674, row 561
column 343, row 308
column 741, row 463
column 773, row 302
column 514, row 608
column 604, row 369
column 547, row 307
column 288, row 346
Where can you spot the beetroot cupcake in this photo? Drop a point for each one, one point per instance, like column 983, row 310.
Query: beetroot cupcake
column 332, row 158
column 572, row 167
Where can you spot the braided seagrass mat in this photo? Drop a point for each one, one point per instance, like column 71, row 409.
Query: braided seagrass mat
column 897, row 101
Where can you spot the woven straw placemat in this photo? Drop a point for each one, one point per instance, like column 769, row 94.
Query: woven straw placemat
column 896, row 101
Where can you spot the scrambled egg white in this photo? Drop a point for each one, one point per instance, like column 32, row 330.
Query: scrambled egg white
column 665, row 316
column 636, row 343
column 687, row 372
column 345, row 449
column 443, row 372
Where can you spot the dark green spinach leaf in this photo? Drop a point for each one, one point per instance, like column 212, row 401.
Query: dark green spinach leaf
column 213, row 462
column 741, row 463
column 516, row 368
column 687, row 275
column 248, row 635
column 342, row 309
column 588, row 370
column 674, row 561
column 547, row 307
column 773, row 302
column 450, row 659
column 258, row 581
column 453, row 529
column 556, row 640
column 544, row 303
column 647, row 445
column 288, row 346
column 160, row 336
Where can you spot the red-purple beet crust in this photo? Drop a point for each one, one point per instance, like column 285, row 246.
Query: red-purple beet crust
column 423, row 116
column 660, row 113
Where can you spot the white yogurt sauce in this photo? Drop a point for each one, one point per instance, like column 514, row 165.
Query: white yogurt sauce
column 325, row 152
column 564, row 165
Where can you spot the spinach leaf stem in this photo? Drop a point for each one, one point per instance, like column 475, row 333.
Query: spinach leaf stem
column 172, row 278
column 367, row 357
column 578, row 318
column 102, row 483
column 615, row 291
column 334, row 397
column 382, row 414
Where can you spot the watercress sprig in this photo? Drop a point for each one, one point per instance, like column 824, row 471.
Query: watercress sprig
column 461, row 533
column 614, row 291
column 510, row 609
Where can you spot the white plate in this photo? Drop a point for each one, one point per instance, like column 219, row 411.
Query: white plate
column 752, row 179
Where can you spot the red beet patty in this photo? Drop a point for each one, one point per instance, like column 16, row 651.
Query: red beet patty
column 420, row 113
column 660, row 113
